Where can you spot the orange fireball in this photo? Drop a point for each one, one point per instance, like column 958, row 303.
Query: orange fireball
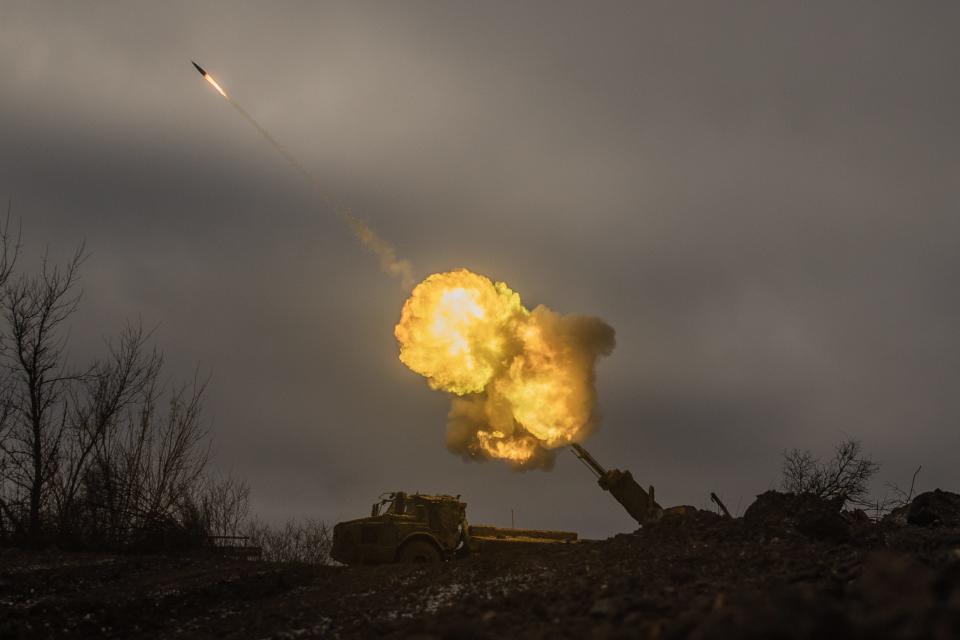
column 526, row 377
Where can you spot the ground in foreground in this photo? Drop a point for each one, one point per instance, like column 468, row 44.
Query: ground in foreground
column 689, row 578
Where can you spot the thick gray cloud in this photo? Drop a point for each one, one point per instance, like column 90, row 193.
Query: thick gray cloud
column 759, row 197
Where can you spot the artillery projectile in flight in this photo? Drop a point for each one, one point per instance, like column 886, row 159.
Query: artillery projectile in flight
column 209, row 78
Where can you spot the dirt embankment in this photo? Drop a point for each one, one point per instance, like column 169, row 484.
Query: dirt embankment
column 788, row 569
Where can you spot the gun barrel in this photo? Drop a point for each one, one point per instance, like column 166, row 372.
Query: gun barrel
column 620, row 484
column 584, row 456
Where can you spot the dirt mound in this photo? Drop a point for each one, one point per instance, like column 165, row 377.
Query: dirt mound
column 692, row 575
column 893, row 596
column 799, row 513
column 687, row 516
column 935, row 508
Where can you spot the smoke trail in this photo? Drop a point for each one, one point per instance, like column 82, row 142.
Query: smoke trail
column 389, row 262
column 269, row 138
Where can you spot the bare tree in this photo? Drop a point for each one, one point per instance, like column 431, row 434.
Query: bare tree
column 903, row 498
column 91, row 453
column 896, row 504
column 844, row 477
column 305, row 540
column 149, row 467
column 97, row 404
column 181, row 453
column 35, row 308
column 9, row 247
column 9, row 250
column 225, row 505
column 115, row 483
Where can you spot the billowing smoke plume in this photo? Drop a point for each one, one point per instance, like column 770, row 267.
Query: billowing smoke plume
column 522, row 381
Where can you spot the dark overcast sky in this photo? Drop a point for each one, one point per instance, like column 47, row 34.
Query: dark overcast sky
column 760, row 197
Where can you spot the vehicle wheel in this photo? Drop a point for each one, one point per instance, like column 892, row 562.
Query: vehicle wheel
column 418, row 551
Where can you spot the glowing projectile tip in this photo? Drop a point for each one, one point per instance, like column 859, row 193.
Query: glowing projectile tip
column 209, row 78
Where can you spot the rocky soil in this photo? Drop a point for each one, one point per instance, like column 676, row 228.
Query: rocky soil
column 790, row 568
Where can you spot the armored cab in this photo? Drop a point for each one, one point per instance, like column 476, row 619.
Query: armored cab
column 403, row 528
column 423, row 528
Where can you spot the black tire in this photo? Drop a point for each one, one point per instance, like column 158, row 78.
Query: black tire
column 418, row 552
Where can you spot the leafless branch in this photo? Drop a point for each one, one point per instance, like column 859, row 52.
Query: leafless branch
column 845, row 477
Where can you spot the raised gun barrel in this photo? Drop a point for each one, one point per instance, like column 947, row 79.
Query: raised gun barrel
column 640, row 504
column 588, row 460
